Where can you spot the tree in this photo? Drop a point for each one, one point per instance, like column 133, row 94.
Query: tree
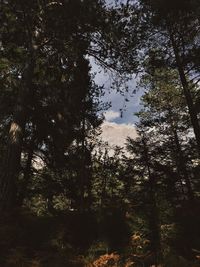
column 43, row 57
column 170, row 39
column 165, row 104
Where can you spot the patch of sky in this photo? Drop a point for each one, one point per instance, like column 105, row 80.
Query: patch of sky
column 122, row 105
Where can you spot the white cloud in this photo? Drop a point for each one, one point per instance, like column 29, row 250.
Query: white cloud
column 110, row 115
column 116, row 134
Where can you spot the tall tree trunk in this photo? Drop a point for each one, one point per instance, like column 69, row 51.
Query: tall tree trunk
column 11, row 167
column 180, row 159
column 154, row 216
column 26, row 178
column 186, row 90
column 181, row 165
column 82, row 171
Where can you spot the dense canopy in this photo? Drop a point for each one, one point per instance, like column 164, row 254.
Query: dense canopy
column 66, row 197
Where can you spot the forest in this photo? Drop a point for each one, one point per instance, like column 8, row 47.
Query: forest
column 65, row 199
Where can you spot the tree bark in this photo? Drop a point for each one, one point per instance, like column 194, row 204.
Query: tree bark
column 180, row 159
column 26, row 178
column 187, row 93
column 11, row 167
column 154, row 217
column 181, row 166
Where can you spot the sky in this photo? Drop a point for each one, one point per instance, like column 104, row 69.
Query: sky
column 118, row 126
column 117, row 101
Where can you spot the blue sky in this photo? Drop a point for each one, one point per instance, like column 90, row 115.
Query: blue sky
column 118, row 101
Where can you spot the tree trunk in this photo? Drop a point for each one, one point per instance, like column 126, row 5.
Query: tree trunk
column 181, row 165
column 187, row 93
column 180, row 159
column 11, row 167
column 26, row 178
column 154, row 217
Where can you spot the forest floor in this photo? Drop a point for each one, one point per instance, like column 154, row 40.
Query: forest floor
column 67, row 240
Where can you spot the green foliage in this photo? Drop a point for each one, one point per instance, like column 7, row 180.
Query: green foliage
column 74, row 200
